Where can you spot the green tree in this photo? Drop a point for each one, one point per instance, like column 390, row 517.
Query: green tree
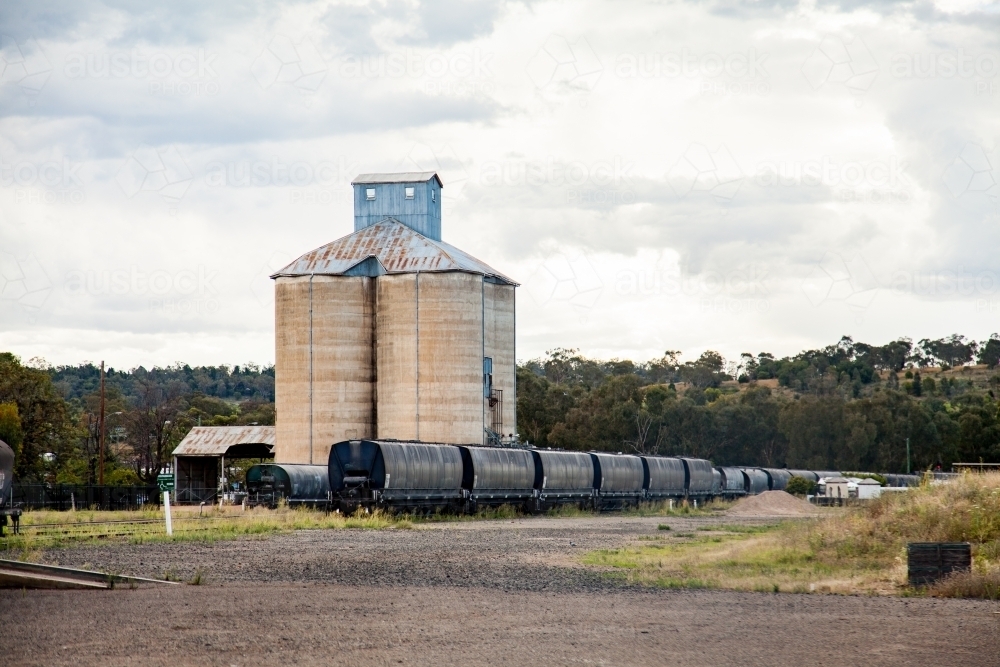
column 46, row 424
column 10, row 427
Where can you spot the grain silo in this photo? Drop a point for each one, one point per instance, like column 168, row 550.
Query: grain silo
column 391, row 333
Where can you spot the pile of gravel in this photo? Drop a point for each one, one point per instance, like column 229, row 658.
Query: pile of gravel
column 772, row 503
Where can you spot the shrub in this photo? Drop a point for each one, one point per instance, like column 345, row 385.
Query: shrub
column 800, row 486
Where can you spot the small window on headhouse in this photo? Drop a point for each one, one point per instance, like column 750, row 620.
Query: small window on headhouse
column 370, row 194
column 433, row 195
column 409, row 192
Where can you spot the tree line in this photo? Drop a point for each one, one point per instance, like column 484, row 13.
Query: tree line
column 848, row 406
column 50, row 415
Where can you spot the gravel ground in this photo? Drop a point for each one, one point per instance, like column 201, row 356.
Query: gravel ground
column 463, row 593
column 526, row 554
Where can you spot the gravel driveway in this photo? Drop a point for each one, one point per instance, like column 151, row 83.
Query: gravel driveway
column 460, row 593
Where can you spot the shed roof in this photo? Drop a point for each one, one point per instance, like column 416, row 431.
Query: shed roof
column 400, row 177
column 396, row 247
column 244, row 441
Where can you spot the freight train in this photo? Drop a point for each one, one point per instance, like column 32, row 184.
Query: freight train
column 427, row 477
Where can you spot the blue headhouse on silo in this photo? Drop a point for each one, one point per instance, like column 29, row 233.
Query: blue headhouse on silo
column 413, row 198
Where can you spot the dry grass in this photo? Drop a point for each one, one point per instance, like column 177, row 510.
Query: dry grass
column 979, row 583
column 46, row 529
column 859, row 551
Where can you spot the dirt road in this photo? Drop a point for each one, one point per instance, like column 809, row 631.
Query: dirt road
column 469, row 593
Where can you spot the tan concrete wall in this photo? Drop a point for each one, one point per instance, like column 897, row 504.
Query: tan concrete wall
column 364, row 388
column 499, row 330
column 342, row 368
column 291, row 369
column 451, row 358
column 396, row 354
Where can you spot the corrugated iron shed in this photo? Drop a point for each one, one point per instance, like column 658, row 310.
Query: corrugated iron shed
column 403, row 177
column 217, row 440
column 396, row 247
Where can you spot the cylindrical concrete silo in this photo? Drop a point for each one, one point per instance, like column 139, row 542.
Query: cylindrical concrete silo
column 391, row 333
column 324, row 376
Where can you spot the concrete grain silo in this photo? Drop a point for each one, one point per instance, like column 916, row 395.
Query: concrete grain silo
column 392, row 333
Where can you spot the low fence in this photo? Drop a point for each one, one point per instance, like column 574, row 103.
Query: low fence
column 70, row 496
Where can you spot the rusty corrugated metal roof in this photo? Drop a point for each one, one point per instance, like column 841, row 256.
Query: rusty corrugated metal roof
column 402, row 177
column 398, row 248
column 216, row 440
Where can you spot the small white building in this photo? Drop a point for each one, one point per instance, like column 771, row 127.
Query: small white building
column 868, row 488
column 837, row 487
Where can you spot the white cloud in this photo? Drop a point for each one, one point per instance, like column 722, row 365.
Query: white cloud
column 675, row 176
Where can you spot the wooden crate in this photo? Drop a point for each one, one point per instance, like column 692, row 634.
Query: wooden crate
column 929, row 561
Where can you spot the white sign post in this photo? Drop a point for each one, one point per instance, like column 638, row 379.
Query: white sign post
column 166, row 506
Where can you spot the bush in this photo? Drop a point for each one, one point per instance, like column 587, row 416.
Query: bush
column 972, row 584
column 800, row 486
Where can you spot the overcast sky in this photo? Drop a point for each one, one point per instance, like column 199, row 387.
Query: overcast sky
column 745, row 177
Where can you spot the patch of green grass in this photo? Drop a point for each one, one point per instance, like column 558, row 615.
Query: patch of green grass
column 750, row 561
column 666, row 508
column 48, row 529
column 663, row 526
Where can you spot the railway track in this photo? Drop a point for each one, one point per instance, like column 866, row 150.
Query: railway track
column 17, row 574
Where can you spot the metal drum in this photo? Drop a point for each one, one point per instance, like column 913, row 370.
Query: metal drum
column 698, row 477
column 617, row 474
column 563, row 476
column 664, row 477
column 777, row 478
column 396, row 473
column 755, row 480
column 268, row 483
column 733, row 482
column 494, row 476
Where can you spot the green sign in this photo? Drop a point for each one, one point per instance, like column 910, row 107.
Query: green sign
column 165, row 482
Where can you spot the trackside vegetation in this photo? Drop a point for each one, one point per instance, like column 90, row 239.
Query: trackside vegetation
column 859, row 551
column 46, row 529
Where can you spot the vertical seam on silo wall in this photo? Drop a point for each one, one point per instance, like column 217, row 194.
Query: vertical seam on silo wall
column 373, row 304
column 311, row 367
column 417, row 300
column 482, row 332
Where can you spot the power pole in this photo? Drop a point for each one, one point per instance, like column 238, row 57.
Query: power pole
column 907, row 456
column 101, row 473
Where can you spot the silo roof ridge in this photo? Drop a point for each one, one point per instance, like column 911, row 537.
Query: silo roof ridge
column 397, row 247
column 397, row 177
